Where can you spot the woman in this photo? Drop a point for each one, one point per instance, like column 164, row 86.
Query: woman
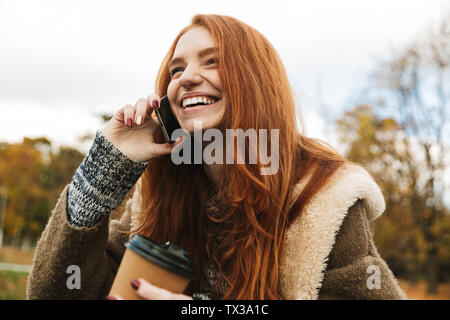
column 299, row 233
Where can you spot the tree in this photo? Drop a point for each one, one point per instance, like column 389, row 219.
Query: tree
column 414, row 87
column 21, row 166
column 34, row 176
column 390, row 154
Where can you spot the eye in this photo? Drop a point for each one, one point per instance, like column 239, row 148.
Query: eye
column 211, row 61
column 175, row 70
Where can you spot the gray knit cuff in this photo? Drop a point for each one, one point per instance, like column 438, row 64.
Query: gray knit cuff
column 200, row 296
column 101, row 182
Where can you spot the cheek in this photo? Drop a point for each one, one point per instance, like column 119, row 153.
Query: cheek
column 172, row 95
column 215, row 79
column 171, row 92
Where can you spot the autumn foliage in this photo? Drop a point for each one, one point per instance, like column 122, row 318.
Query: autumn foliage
column 32, row 175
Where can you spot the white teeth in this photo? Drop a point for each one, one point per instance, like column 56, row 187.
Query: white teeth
column 195, row 100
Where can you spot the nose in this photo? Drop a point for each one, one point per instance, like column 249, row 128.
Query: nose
column 190, row 77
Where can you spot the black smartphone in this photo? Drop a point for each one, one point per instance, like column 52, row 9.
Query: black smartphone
column 166, row 119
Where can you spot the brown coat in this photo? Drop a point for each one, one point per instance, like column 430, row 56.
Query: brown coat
column 329, row 250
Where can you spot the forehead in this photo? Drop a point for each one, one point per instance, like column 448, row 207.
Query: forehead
column 194, row 40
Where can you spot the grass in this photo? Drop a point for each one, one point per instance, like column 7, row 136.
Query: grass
column 12, row 285
column 418, row 291
column 13, row 255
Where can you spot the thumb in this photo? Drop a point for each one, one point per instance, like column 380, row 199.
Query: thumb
column 167, row 148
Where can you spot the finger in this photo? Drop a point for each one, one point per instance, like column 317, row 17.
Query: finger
column 153, row 121
column 128, row 115
column 141, row 110
column 114, row 297
column 153, row 101
column 166, row 148
column 148, row 291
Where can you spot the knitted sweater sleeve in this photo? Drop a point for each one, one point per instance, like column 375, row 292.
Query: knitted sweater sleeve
column 100, row 183
column 80, row 249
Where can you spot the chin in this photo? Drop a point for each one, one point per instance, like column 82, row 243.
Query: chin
column 205, row 124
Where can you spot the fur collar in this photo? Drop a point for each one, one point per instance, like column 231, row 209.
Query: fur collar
column 311, row 236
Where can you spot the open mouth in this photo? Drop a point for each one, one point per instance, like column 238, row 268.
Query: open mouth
column 199, row 101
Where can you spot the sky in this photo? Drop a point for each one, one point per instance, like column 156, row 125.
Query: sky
column 64, row 62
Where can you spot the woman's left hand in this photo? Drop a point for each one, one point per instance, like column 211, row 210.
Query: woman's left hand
column 147, row 291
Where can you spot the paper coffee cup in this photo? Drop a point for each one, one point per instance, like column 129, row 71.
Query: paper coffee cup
column 166, row 266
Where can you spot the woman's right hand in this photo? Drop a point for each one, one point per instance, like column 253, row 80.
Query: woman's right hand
column 131, row 131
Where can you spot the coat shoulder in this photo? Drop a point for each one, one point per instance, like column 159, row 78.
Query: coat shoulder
column 311, row 237
column 348, row 184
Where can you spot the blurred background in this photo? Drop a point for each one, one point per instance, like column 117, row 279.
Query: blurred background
column 370, row 78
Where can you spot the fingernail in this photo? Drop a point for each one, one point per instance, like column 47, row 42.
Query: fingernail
column 111, row 298
column 139, row 120
column 129, row 122
column 135, row 284
column 155, row 103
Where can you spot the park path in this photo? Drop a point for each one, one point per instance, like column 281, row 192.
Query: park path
column 5, row 266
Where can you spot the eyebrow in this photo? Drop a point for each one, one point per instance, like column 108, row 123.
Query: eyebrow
column 201, row 54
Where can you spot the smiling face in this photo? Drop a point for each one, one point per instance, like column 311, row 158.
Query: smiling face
column 195, row 90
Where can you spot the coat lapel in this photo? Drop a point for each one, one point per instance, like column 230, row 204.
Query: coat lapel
column 311, row 236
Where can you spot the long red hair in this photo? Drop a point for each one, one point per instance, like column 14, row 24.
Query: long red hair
column 254, row 210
